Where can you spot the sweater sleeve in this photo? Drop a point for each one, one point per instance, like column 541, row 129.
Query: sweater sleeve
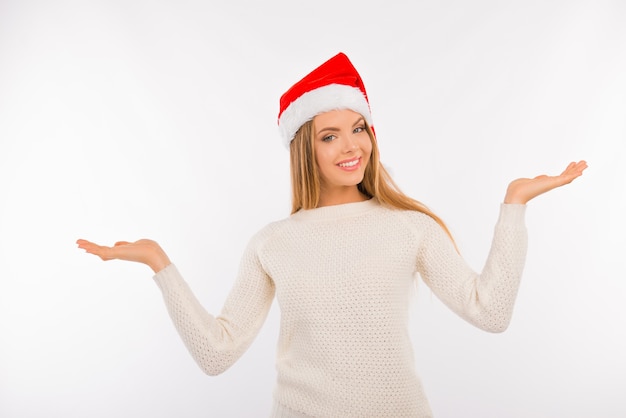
column 216, row 343
column 484, row 299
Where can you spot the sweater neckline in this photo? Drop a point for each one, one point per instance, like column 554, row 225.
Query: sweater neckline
column 344, row 210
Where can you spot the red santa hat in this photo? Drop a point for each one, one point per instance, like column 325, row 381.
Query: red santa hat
column 334, row 85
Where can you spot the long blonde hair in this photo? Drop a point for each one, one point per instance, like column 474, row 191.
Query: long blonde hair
column 377, row 183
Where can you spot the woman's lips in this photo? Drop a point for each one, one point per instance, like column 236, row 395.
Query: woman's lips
column 350, row 165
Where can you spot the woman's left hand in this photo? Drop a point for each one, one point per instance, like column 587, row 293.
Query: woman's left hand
column 522, row 190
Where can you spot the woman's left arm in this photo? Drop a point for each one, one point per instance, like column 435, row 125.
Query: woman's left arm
column 486, row 299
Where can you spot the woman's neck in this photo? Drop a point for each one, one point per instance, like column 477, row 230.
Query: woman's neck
column 340, row 196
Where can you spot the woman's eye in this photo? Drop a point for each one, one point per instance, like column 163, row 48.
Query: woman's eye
column 359, row 130
column 328, row 138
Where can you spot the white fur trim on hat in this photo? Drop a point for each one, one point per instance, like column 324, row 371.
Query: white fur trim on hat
column 320, row 100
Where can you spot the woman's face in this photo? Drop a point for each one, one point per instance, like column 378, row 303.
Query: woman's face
column 342, row 149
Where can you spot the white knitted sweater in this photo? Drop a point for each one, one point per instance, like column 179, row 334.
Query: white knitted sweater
column 342, row 277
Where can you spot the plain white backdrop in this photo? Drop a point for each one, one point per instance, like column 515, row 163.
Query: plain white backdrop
column 122, row 120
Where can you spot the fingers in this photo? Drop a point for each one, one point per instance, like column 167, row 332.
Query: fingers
column 580, row 166
column 86, row 245
column 573, row 170
column 576, row 167
column 91, row 248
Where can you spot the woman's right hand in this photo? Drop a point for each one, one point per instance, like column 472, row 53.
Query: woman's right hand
column 143, row 251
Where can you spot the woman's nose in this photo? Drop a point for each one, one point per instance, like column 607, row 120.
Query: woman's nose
column 350, row 144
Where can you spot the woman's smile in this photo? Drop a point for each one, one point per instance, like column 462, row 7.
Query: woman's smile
column 350, row 165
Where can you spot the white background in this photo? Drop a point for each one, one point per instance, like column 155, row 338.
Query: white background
column 128, row 119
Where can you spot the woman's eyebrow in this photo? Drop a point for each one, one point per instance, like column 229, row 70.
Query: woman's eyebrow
column 328, row 128
column 334, row 129
column 359, row 121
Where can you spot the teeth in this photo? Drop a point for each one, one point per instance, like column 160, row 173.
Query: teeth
column 350, row 164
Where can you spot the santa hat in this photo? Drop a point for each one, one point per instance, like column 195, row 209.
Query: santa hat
column 333, row 85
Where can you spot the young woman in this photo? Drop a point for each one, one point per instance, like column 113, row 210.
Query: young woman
column 342, row 264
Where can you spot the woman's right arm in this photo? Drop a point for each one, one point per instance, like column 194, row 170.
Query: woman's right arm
column 215, row 343
column 143, row 251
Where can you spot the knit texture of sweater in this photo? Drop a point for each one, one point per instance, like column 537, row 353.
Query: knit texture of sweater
column 342, row 276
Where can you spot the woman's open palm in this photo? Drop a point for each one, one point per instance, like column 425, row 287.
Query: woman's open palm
column 142, row 251
column 524, row 189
